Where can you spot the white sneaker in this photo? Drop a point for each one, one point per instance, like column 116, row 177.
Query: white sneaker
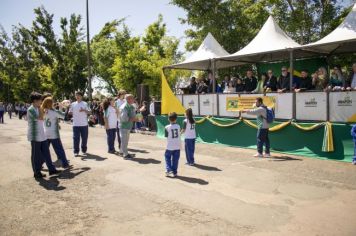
column 267, row 155
column 354, row 162
column 258, row 155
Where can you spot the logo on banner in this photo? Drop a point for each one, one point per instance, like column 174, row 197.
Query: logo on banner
column 232, row 104
column 191, row 103
column 206, row 102
column 311, row 103
column 346, row 102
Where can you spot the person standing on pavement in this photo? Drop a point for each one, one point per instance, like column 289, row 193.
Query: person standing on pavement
column 127, row 117
column 9, row 110
column 110, row 118
column 118, row 103
column 36, row 135
column 51, row 126
column 172, row 153
column 80, row 111
column 262, row 132
column 2, row 112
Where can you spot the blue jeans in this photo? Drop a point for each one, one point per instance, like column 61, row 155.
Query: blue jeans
column 2, row 117
column 39, row 154
column 118, row 137
column 262, row 139
column 80, row 132
column 172, row 159
column 111, row 133
column 59, row 150
column 354, row 159
column 189, row 150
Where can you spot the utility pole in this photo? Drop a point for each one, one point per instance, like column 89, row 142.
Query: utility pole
column 88, row 54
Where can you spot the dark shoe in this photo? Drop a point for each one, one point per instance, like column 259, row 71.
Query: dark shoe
column 54, row 172
column 39, row 175
column 76, row 154
column 112, row 152
column 67, row 166
column 127, row 157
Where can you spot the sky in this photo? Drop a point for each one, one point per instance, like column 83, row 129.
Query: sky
column 139, row 14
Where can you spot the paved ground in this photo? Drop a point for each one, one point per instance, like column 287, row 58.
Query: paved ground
column 228, row 193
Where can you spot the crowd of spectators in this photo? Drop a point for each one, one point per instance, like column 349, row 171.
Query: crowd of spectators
column 319, row 80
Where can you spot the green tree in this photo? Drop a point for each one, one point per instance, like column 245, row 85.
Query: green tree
column 140, row 61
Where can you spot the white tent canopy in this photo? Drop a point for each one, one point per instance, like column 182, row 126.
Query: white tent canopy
column 341, row 40
column 202, row 58
column 270, row 44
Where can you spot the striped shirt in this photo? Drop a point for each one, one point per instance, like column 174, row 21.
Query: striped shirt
column 51, row 125
column 35, row 131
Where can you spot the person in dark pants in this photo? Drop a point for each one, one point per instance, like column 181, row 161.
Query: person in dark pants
column 80, row 111
column 9, row 110
column 189, row 136
column 353, row 134
column 2, row 112
column 172, row 153
column 36, row 135
column 51, row 127
column 110, row 117
column 263, row 126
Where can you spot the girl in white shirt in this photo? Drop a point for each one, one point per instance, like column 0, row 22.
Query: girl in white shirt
column 51, row 129
column 189, row 136
column 110, row 118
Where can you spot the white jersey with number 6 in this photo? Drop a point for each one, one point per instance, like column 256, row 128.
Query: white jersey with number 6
column 172, row 133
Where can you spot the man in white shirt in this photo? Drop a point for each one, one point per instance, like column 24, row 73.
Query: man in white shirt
column 119, row 102
column 151, row 117
column 80, row 111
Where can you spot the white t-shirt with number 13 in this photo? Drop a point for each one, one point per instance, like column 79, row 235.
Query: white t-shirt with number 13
column 189, row 128
column 172, row 133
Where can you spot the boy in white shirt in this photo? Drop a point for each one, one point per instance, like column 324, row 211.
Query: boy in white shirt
column 80, row 111
column 172, row 154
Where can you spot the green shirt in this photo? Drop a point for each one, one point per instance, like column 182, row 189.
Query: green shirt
column 127, row 112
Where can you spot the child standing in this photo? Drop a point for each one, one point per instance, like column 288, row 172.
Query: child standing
column 36, row 135
column 110, row 118
column 172, row 154
column 353, row 134
column 189, row 136
column 51, row 128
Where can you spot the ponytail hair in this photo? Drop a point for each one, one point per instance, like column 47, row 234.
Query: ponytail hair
column 189, row 114
column 106, row 103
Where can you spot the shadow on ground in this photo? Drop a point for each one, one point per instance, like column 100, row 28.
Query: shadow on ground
column 192, row 180
column 285, row 158
column 53, row 182
column 208, row 168
column 145, row 161
column 138, row 150
column 93, row 157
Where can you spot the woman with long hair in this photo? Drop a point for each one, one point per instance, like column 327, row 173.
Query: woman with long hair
column 51, row 126
column 189, row 136
column 110, row 119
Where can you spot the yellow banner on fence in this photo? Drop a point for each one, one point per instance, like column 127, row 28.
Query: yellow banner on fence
column 242, row 103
